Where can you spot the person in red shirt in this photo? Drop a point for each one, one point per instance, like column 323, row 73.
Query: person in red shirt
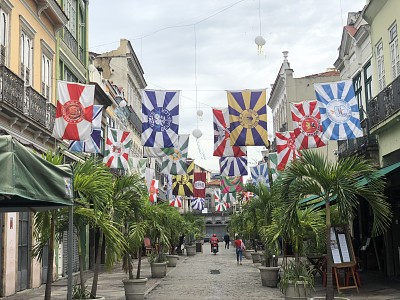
column 214, row 240
column 239, row 245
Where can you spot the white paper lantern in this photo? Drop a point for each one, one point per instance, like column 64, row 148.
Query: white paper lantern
column 197, row 133
column 200, row 113
column 260, row 41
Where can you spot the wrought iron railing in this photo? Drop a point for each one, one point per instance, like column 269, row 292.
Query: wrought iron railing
column 134, row 119
column 70, row 40
column 2, row 55
column 358, row 146
column 385, row 104
column 25, row 99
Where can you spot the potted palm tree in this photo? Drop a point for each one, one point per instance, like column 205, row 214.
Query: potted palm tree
column 313, row 174
column 194, row 225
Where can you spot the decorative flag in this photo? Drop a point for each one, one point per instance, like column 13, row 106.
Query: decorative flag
column 233, row 166
column 273, row 163
column 199, row 186
column 153, row 190
column 309, row 129
column 183, row 184
column 338, row 106
column 248, row 118
column 137, row 165
column 174, row 161
column 259, row 174
column 247, row 196
column 220, row 206
column 229, row 198
column 74, row 112
column 217, row 196
column 176, row 201
column 286, row 148
column 91, row 145
column 231, row 184
column 117, row 148
column 160, row 122
column 148, row 177
column 222, row 141
column 197, row 203
column 153, row 152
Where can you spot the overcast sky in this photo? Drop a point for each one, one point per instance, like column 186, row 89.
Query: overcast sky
column 171, row 37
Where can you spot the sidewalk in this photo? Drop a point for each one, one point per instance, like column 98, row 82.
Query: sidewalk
column 208, row 276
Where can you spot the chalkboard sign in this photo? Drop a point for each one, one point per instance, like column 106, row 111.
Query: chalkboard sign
column 342, row 247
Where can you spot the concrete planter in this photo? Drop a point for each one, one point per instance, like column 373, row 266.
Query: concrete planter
column 172, row 260
column 135, row 288
column 158, row 270
column 256, row 257
column 247, row 253
column 323, row 298
column 269, row 276
column 297, row 290
column 191, row 250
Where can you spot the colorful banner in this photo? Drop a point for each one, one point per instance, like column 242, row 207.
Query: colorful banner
column 153, row 191
column 286, row 148
column 137, row 165
column 176, row 202
column 174, row 161
column 222, row 141
column 231, row 184
column 248, row 117
column 74, row 111
column 183, row 184
column 259, row 174
column 199, row 186
column 117, row 148
column 273, row 163
column 338, row 107
column 233, row 166
column 160, row 122
column 307, row 118
column 197, row 203
column 91, row 145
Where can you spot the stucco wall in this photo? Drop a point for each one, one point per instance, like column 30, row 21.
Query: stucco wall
column 10, row 253
column 389, row 141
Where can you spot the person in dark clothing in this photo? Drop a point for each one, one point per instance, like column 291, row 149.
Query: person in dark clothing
column 227, row 240
column 180, row 243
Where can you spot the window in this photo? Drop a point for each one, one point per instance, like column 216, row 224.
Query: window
column 368, row 81
column 3, row 37
column 394, row 51
column 358, row 93
column 380, row 65
column 46, row 70
column 26, row 51
column 70, row 11
column 68, row 76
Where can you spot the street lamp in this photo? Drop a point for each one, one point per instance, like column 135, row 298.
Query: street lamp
column 121, row 101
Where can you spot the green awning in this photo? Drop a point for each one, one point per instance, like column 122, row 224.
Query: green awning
column 315, row 201
column 30, row 183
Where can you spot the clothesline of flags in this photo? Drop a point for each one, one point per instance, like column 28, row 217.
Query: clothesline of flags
column 334, row 115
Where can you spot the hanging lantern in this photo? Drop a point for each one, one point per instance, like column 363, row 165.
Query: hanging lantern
column 260, row 42
column 197, row 133
column 200, row 114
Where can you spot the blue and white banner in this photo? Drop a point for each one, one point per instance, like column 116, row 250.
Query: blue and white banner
column 259, row 174
column 340, row 117
column 160, row 123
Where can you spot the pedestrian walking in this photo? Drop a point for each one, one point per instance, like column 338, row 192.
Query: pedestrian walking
column 239, row 249
column 227, row 240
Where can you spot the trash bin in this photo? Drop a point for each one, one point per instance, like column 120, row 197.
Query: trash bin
column 199, row 247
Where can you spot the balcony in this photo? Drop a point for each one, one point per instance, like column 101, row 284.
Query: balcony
column 21, row 100
column 134, row 119
column 366, row 146
column 70, row 41
column 385, row 104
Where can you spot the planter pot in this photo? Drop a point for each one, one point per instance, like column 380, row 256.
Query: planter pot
column 135, row 288
column 269, row 276
column 256, row 257
column 297, row 291
column 247, row 253
column 172, row 260
column 158, row 270
column 191, row 250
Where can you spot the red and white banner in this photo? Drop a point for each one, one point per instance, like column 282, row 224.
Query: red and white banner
column 153, row 190
column 199, row 185
column 74, row 112
column 286, row 148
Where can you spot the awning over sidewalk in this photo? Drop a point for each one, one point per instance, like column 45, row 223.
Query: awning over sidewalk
column 317, row 202
column 30, row 183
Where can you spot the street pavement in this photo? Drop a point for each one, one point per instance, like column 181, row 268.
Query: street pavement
column 211, row 277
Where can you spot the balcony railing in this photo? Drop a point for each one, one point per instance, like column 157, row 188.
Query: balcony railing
column 385, row 104
column 362, row 146
column 25, row 99
column 134, row 119
column 70, row 40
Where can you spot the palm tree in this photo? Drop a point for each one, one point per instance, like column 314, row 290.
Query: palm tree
column 313, row 174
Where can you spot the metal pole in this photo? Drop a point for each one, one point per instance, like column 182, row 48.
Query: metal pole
column 70, row 249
